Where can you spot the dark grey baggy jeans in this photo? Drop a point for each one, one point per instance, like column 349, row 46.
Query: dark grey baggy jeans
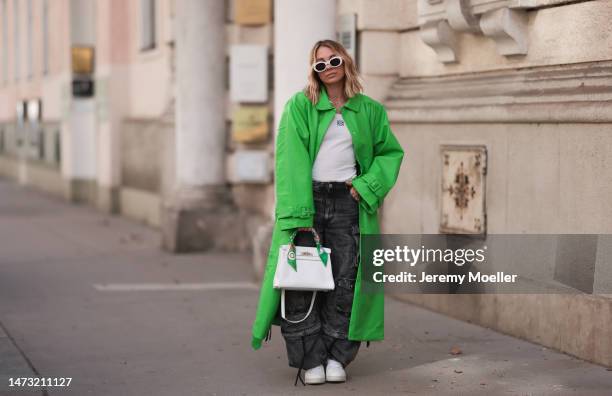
column 324, row 333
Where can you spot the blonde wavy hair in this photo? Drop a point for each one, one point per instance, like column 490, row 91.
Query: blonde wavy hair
column 352, row 83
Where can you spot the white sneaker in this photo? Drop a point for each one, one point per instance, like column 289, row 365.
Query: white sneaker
column 334, row 372
column 315, row 375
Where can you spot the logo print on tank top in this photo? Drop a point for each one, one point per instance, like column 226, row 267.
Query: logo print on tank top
column 339, row 123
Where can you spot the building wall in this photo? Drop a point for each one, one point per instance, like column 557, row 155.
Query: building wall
column 40, row 83
column 568, row 33
column 36, row 78
column 543, row 119
column 130, row 83
column 134, row 96
column 134, row 89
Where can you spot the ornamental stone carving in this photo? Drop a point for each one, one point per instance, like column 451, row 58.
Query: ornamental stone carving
column 504, row 21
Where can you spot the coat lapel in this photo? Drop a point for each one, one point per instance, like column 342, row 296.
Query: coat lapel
column 357, row 132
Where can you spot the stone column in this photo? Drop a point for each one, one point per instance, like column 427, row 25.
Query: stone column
column 297, row 26
column 198, row 213
column 79, row 141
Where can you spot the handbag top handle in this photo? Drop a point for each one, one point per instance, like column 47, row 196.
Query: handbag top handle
column 291, row 256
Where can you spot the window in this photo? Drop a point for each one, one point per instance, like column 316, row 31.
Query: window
column 29, row 42
column 45, row 37
column 16, row 38
column 4, row 42
column 147, row 24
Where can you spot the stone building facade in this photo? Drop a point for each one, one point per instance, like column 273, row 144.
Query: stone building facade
column 523, row 87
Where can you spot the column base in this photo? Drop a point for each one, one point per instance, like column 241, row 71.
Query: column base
column 81, row 191
column 108, row 199
column 204, row 219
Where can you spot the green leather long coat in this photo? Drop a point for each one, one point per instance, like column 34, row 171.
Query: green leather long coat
column 378, row 155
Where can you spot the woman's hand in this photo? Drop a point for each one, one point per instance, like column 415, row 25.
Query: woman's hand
column 354, row 192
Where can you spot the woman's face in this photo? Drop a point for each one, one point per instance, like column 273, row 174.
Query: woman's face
column 331, row 74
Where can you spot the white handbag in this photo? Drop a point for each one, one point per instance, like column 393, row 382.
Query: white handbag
column 303, row 268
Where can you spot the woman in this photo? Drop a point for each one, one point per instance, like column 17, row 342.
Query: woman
column 336, row 160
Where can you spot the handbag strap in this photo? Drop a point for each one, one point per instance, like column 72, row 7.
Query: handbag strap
column 312, row 300
column 291, row 255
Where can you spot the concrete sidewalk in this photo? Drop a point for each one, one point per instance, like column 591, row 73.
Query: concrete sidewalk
column 14, row 365
column 92, row 297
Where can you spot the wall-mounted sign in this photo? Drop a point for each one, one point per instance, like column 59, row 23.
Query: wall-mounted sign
column 252, row 12
column 249, row 73
column 82, row 70
column 464, row 170
column 83, row 87
column 82, row 60
column 250, row 166
column 250, row 124
column 347, row 33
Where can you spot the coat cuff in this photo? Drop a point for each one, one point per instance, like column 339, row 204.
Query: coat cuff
column 366, row 189
column 292, row 222
column 256, row 343
column 294, row 217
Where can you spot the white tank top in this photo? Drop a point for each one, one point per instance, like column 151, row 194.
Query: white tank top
column 335, row 160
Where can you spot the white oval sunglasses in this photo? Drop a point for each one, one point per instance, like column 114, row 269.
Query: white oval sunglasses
column 321, row 66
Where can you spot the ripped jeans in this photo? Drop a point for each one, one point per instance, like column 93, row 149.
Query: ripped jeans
column 324, row 333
